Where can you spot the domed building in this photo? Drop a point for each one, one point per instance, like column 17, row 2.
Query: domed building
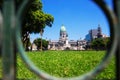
column 64, row 44
column 63, row 34
column 63, row 40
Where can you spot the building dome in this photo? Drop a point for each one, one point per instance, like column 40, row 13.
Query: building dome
column 62, row 29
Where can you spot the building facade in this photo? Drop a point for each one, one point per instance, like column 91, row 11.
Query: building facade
column 95, row 33
column 64, row 44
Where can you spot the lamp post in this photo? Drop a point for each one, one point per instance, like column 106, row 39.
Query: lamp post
column 41, row 34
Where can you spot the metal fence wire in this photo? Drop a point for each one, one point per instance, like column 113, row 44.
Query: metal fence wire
column 10, row 40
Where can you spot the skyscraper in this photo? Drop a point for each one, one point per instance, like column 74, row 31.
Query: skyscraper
column 94, row 33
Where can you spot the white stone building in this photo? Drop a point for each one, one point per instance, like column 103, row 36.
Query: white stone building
column 64, row 44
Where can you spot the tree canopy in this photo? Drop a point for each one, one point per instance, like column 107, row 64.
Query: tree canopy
column 37, row 42
column 34, row 19
column 100, row 43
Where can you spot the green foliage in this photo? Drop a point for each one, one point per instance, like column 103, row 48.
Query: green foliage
column 35, row 19
column 100, row 43
column 66, row 64
column 38, row 42
column 107, row 42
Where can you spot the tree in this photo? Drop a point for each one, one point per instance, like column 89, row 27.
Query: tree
column 107, row 42
column 37, row 42
column 41, row 34
column 101, row 43
column 34, row 19
column 98, row 44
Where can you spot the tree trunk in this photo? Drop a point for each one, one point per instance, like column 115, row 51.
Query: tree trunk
column 41, row 34
column 26, row 40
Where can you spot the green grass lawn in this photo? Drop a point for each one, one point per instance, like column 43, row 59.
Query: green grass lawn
column 66, row 64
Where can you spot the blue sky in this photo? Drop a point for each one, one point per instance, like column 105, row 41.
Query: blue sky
column 78, row 16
